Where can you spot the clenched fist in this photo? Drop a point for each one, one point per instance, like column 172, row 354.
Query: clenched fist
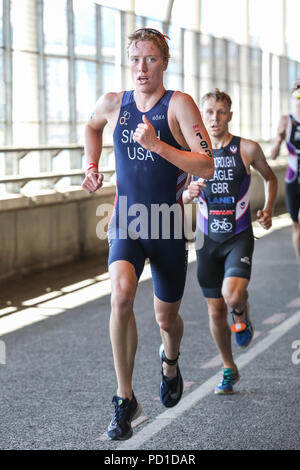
column 93, row 180
column 145, row 134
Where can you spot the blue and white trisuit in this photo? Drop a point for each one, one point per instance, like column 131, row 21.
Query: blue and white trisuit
column 147, row 186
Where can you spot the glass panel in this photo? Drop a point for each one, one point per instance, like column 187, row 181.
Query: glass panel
column 244, row 58
column 173, row 81
column 298, row 70
column 109, row 23
column 154, row 9
column 1, row 134
column 139, row 22
column 292, row 29
column 175, row 49
column 25, row 133
column 256, row 106
column 150, row 23
column 1, row 23
column 255, row 67
column 233, row 62
column 109, row 78
column 2, row 90
column 84, row 28
column 206, row 56
column 292, row 73
column 61, row 162
column 245, row 111
column 220, row 58
column 55, row 26
column 86, row 80
column 58, row 133
column 205, row 87
column 57, row 89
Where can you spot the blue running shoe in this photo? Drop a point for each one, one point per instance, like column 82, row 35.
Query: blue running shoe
column 225, row 386
column 170, row 390
column 125, row 412
column 243, row 330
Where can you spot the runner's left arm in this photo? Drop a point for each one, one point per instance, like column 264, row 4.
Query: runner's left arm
column 199, row 160
column 257, row 159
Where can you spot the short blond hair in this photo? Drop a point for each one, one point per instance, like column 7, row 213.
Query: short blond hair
column 218, row 96
column 150, row 34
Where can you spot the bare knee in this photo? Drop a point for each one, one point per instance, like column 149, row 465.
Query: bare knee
column 235, row 298
column 296, row 230
column 218, row 313
column 166, row 322
column 167, row 315
column 122, row 299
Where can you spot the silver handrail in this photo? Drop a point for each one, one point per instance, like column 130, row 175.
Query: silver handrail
column 53, row 177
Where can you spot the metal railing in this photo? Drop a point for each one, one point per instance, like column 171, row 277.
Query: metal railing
column 19, row 181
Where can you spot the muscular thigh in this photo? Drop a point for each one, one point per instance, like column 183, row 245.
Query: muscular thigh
column 210, row 269
column 127, row 250
column 168, row 261
column 292, row 195
column 238, row 261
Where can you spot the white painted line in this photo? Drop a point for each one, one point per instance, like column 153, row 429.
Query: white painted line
column 294, row 303
column 256, row 334
column 166, row 418
column 217, row 360
column 213, row 362
column 276, row 318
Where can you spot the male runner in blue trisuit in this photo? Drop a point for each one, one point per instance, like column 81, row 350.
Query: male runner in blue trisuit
column 223, row 215
column 289, row 130
column 151, row 128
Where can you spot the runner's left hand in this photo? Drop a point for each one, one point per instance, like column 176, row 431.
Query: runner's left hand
column 265, row 219
column 145, row 134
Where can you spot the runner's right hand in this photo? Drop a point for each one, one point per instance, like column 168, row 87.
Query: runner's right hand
column 195, row 188
column 93, row 180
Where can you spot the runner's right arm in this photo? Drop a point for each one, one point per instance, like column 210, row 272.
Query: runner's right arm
column 105, row 107
column 280, row 137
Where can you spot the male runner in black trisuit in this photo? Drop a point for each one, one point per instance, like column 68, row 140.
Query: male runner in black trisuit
column 224, row 262
column 289, row 130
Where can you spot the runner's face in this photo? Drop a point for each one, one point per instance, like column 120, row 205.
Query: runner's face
column 147, row 66
column 216, row 116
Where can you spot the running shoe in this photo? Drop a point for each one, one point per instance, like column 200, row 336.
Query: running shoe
column 243, row 329
column 125, row 412
column 170, row 390
column 227, row 381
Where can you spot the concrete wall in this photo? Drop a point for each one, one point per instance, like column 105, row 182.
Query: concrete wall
column 50, row 229
column 54, row 228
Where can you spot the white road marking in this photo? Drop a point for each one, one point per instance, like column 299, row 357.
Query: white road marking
column 167, row 417
column 217, row 360
column 276, row 318
column 294, row 303
column 213, row 362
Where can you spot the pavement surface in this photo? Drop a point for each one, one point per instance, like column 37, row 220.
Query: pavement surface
column 57, row 375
